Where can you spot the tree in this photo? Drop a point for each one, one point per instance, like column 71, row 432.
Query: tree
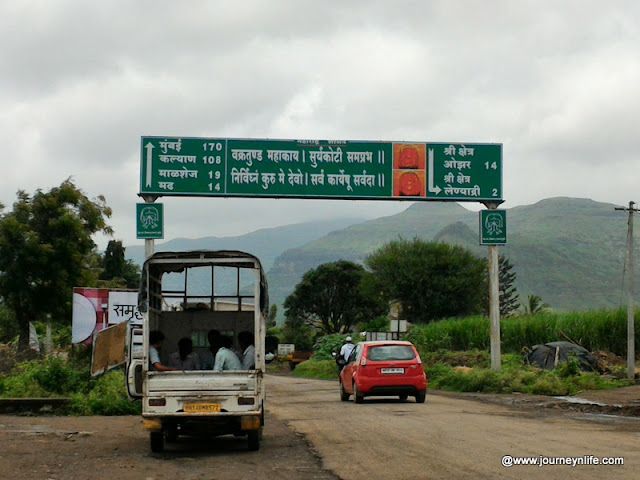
column 45, row 242
column 430, row 280
column 296, row 331
column 333, row 298
column 509, row 298
column 118, row 271
column 534, row 305
column 271, row 317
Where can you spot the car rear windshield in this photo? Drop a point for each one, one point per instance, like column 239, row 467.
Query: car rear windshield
column 391, row 352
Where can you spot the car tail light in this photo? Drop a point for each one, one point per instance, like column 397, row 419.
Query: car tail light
column 157, row 402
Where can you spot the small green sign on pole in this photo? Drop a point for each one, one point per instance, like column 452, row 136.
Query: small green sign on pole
column 493, row 227
column 149, row 221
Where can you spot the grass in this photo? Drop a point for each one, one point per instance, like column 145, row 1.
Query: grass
column 313, row 368
column 594, row 330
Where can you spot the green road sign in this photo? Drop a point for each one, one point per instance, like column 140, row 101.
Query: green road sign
column 493, row 227
column 320, row 169
column 149, row 220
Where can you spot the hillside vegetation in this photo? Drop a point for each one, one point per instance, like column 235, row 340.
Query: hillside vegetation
column 568, row 251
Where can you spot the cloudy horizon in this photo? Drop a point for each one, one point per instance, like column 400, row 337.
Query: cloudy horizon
column 555, row 82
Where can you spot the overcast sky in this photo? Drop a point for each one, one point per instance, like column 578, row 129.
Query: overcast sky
column 556, row 82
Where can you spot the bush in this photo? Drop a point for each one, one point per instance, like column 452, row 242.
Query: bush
column 107, row 397
column 330, row 343
column 314, row 368
column 49, row 377
column 56, row 377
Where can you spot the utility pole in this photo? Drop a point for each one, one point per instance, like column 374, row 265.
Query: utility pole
column 631, row 337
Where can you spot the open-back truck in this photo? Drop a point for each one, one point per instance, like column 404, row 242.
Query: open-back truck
column 189, row 294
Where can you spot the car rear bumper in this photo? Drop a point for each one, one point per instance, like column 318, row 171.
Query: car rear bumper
column 396, row 385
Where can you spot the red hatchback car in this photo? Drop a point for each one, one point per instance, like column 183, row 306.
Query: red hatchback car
column 383, row 368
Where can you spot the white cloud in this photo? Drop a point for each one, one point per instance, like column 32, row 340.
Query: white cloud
column 555, row 82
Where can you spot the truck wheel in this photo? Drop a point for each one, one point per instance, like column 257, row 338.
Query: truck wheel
column 171, row 433
column 157, row 442
column 254, row 439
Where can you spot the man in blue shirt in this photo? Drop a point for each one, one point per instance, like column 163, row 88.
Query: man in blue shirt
column 156, row 339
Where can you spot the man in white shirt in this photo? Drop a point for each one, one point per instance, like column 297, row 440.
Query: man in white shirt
column 347, row 348
column 226, row 359
column 247, row 344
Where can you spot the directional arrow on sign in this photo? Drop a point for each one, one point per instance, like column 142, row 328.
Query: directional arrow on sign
column 431, row 187
column 149, row 147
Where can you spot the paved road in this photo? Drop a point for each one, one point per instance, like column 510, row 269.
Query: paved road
column 448, row 438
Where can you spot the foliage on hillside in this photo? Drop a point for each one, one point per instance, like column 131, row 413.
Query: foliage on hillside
column 568, row 251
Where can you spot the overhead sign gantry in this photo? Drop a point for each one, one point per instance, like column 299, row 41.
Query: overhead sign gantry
column 227, row 167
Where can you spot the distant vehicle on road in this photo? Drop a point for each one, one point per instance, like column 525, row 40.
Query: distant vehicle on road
column 383, row 368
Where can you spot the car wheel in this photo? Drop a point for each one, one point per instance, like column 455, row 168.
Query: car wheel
column 421, row 396
column 358, row 397
column 344, row 396
column 404, row 397
column 157, row 442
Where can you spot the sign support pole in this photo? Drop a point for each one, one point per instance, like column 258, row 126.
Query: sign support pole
column 149, row 243
column 494, row 300
column 494, row 307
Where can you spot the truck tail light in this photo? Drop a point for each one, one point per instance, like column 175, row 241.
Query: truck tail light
column 246, row 401
column 157, row 402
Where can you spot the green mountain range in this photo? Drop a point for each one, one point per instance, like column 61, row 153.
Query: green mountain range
column 570, row 252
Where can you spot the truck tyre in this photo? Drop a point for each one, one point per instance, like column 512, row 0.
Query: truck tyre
column 254, row 439
column 157, row 442
column 171, row 433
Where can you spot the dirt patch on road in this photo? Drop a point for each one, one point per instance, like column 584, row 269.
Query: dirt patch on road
column 118, row 448
column 620, row 401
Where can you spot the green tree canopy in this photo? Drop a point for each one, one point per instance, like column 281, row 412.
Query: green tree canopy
column 118, row 271
column 45, row 242
column 430, row 280
column 333, row 298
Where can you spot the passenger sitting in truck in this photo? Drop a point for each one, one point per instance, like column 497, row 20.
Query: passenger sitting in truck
column 226, row 359
column 247, row 345
column 185, row 358
column 207, row 357
column 156, row 339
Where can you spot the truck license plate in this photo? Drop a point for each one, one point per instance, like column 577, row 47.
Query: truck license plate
column 393, row 371
column 202, row 407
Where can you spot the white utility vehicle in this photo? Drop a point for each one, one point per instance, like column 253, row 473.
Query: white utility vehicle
column 190, row 294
